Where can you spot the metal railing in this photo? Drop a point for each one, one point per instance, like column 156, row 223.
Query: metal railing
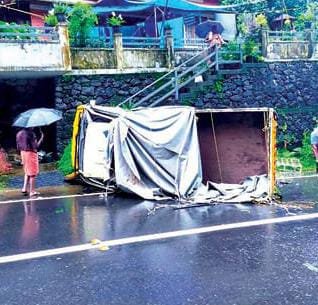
column 284, row 36
column 142, row 42
column 18, row 33
column 171, row 83
column 196, row 43
column 93, row 42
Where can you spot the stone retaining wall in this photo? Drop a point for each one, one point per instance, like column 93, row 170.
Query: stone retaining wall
column 72, row 91
column 291, row 88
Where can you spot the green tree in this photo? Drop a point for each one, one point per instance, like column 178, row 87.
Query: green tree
column 81, row 21
column 271, row 8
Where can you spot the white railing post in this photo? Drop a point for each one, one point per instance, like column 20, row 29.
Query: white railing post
column 216, row 59
column 170, row 48
column 65, row 45
column 118, row 49
column 176, row 85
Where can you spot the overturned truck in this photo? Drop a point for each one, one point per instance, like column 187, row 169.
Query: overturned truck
column 201, row 156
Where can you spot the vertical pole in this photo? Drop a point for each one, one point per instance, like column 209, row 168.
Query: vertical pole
column 217, row 59
column 241, row 54
column 176, row 85
column 155, row 13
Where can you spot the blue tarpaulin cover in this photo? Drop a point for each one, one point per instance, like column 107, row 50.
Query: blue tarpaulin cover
column 129, row 6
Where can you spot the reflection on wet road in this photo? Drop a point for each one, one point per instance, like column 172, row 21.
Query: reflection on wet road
column 37, row 225
column 268, row 264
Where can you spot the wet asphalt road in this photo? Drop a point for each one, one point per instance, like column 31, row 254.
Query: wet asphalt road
column 267, row 264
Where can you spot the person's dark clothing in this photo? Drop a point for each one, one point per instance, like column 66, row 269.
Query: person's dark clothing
column 26, row 140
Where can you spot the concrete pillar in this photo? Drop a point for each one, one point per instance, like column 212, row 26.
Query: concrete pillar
column 170, row 49
column 309, row 34
column 264, row 42
column 119, row 52
column 65, row 46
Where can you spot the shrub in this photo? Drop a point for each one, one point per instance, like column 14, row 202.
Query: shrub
column 3, row 182
column 261, row 20
column 231, row 48
column 251, row 51
column 64, row 165
column 50, row 20
column 115, row 20
column 81, row 21
column 303, row 153
column 60, row 8
column 5, row 166
column 306, row 154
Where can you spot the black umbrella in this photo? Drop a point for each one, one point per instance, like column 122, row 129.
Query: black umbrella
column 202, row 29
column 283, row 17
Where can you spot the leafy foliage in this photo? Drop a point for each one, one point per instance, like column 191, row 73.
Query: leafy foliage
column 305, row 12
column 261, row 20
column 246, row 5
column 64, row 165
column 303, row 153
column 306, row 154
column 218, row 87
column 50, row 20
column 308, row 17
column 241, row 24
column 10, row 28
column 285, row 153
column 60, row 8
column 81, row 21
column 127, row 106
column 251, row 51
column 3, row 182
column 115, row 20
column 231, row 48
column 270, row 7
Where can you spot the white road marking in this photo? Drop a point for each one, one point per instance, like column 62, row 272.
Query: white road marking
column 311, row 267
column 27, row 199
column 152, row 237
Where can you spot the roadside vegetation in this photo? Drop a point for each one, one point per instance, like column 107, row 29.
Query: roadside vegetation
column 303, row 153
column 5, row 169
column 64, row 165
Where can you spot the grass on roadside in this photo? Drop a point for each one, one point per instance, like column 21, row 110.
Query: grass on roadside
column 3, row 182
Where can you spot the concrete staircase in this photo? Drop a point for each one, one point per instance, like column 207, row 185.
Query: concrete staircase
column 179, row 85
column 192, row 92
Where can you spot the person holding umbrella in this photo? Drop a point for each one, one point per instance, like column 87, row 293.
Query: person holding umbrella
column 214, row 39
column 28, row 144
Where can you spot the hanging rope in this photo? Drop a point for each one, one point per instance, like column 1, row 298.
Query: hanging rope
column 265, row 130
column 216, row 148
